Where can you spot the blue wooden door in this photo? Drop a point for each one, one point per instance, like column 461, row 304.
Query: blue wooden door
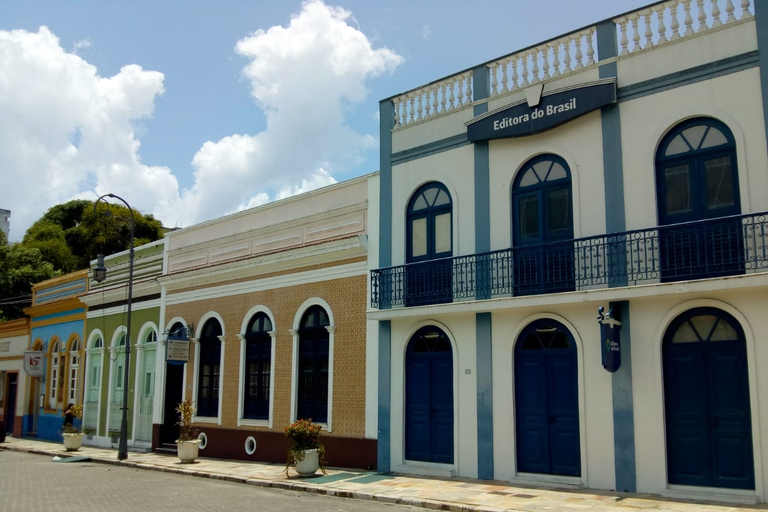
column 429, row 397
column 546, row 401
column 706, row 394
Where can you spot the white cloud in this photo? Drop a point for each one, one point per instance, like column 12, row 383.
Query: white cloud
column 305, row 77
column 66, row 132
column 82, row 44
column 425, row 32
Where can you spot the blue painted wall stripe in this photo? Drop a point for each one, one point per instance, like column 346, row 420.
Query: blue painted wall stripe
column 615, row 220
column 386, row 119
column 385, row 394
column 761, row 24
column 484, row 370
column 623, row 407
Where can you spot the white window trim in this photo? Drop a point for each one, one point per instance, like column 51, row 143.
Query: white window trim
column 53, row 386
column 138, row 384
column 315, row 301
column 196, row 340
column 241, row 420
column 92, row 355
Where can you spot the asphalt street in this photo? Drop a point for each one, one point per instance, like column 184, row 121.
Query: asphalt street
column 35, row 483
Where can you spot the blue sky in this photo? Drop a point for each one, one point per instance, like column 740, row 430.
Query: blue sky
column 194, row 109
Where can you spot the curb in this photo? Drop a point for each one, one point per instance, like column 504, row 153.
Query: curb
column 288, row 486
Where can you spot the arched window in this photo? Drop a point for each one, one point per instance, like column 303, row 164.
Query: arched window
column 53, row 383
column 429, row 223
column 430, row 237
column 697, row 180
column 542, row 213
column 74, row 371
column 258, row 367
column 94, row 362
column 313, row 365
column 209, row 369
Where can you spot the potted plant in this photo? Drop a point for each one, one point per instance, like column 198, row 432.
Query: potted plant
column 72, row 431
column 307, row 454
column 187, row 444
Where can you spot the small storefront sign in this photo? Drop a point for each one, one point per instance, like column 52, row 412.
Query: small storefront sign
column 610, row 340
column 34, row 365
column 177, row 350
column 548, row 111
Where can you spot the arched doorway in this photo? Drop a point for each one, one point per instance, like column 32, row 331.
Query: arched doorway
column 174, row 391
column 706, row 401
column 547, row 400
column 429, row 397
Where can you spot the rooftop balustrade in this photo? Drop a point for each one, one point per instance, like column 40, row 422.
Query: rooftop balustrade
column 680, row 252
column 650, row 27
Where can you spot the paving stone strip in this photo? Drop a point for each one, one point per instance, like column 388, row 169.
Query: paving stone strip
column 454, row 495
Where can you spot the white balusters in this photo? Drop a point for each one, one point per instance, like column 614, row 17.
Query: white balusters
column 659, row 10
column 524, row 60
column 745, row 9
column 624, row 39
column 688, row 18
column 715, row 14
column 675, row 26
column 702, row 16
column 545, row 67
column 590, row 49
column 534, row 66
column 468, row 88
column 556, row 59
column 515, row 77
column 579, row 55
column 635, row 33
column 648, row 31
column 638, row 31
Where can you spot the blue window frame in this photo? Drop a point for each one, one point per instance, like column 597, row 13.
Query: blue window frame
column 258, row 367
column 430, row 237
column 697, row 182
column 542, row 218
column 314, row 342
column 209, row 369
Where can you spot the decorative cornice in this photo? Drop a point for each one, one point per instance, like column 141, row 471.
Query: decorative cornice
column 58, row 306
column 20, row 327
column 291, row 259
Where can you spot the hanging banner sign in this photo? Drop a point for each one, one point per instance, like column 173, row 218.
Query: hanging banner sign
column 177, row 350
column 610, row 341
column 551, row 110
column 34, row 365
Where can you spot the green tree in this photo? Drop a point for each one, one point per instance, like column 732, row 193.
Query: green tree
column 66, row 238
column 20, row 268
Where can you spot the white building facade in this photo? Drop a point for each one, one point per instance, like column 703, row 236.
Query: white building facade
column 621, row 166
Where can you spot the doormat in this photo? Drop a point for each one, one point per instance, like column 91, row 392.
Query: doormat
column 330, row 478
column 370, row 479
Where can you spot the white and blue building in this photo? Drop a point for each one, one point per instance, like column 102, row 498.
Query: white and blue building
column 622, row 166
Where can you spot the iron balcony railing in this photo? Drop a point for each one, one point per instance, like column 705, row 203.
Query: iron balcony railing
column 679, row 252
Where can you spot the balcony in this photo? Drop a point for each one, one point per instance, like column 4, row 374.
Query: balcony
column 719, row 247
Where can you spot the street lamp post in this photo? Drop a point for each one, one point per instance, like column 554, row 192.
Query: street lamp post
column 99, row 275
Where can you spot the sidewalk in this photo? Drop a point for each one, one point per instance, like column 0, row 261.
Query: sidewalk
column 457, row 494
